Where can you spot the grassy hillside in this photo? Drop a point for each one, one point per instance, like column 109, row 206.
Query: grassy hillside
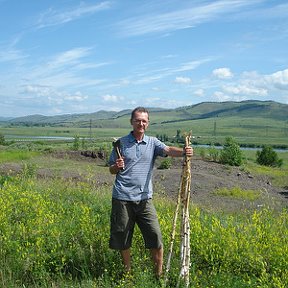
column 244, row 109
column 251, row 122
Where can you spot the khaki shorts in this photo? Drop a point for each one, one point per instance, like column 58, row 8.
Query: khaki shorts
column 125, row 214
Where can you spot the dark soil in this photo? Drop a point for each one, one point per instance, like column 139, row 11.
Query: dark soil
column 209, row 176
column 206, row 178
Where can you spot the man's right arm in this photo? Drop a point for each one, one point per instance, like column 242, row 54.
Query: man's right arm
column 117, row 166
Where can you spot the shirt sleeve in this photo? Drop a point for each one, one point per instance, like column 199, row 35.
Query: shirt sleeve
column 112, row 157
column 159, row 147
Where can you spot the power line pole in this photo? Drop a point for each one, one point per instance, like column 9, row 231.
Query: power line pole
column 90, row 131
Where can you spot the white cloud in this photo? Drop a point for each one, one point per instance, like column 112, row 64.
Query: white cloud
column 191, row 65
column 40, row 93
column 158, row 74
column 199, row 92
column 256, row 86
column 279, row 79
column 245, row 90
column 156, row 89
column 69, row 57
column 11, row 54
column 38, row 90
column 78, row 97
column 222, row 73
column 111, row 98
column 53, row 18
column 183, row 18
column 152, row 101
column 183, row 80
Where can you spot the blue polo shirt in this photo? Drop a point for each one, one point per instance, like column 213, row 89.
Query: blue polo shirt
column 134, row 183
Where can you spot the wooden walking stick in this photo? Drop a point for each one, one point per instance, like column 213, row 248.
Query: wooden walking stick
column 185, row 225
column 184, row 200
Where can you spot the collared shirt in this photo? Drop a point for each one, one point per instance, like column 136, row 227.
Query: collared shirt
column 134, row 183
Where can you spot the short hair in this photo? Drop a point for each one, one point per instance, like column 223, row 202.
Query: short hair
column 139, row 109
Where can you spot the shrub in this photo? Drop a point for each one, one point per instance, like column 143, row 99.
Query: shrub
column 231, row 153
column 165, row 164
column 202, row 153
column 76, row 143
column 268, row 157
column 214, row 153
column 2, row 139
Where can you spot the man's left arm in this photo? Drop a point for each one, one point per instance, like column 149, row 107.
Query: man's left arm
column 178, row 152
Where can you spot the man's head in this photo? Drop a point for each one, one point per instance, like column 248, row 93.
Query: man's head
column 139, row 109
column 139, row 119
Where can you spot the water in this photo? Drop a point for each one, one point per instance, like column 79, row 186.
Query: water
column 63, row 138
column 241, row 148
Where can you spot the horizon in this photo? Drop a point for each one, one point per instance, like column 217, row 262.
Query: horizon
column 130, row 109
column 79, row 57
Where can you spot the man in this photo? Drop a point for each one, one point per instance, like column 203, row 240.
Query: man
column 132, row 190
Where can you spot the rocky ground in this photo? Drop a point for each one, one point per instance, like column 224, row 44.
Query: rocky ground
column 207, row 176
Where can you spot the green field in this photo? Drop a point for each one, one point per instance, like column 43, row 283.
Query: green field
column 252, row 123
column 55, row 227
column 249, row 132
column 55, row 230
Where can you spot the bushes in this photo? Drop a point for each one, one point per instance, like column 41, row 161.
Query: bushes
column 60, row 231
column 49, row 231
column 2, row 139
column 268, row 157
column 165, row 164
column 231, row 153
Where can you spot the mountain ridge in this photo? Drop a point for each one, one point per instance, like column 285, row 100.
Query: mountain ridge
column 203, row 110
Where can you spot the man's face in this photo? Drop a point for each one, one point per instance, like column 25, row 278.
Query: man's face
column 140, row 122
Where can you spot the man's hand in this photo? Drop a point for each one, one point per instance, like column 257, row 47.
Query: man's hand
column 188, row 151
column 118, row 166
column 120, row 163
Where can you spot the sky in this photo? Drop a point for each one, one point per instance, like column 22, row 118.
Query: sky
column 67, row 56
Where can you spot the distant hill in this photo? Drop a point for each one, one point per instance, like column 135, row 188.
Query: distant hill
column 62, row 120
column 4, row 119
column 246, row 109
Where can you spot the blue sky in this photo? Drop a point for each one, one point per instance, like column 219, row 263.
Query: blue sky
column 68, row 56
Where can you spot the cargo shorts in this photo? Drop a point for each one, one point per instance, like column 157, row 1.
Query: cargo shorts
column 125, row 214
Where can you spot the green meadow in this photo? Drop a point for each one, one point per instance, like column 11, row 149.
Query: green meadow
column 251, row 123
column 54, row 231
column 247, row 131
column 54, row 214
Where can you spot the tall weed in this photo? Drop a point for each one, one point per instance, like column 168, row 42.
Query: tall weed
column 56, row 233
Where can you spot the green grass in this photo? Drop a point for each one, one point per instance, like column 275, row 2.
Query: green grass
column 248, row 130
column 63, row 131
column 55, row 232
column 12, row 156
column 278, row 175
column 238, row 193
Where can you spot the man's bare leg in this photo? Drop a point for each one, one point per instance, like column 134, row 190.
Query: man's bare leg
column 126, row 257
column 157, row 257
